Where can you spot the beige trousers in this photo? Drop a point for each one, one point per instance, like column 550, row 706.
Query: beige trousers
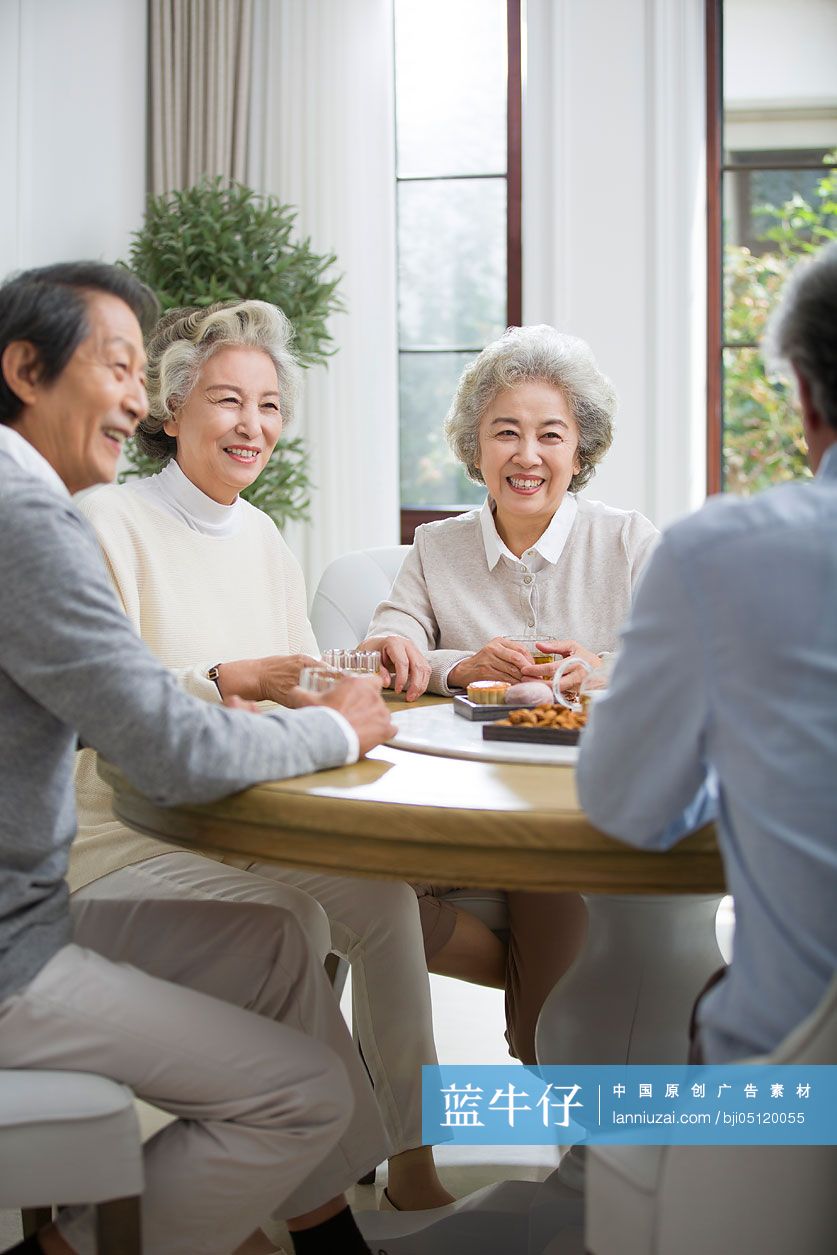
column 270, row 1120
column 373, row 923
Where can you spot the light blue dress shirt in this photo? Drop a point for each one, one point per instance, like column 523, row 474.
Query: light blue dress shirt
column 724, row 704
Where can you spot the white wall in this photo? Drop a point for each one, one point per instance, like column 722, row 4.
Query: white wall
column 614, row 225
column 780, row 81
column 780, row 51
column 72, row 128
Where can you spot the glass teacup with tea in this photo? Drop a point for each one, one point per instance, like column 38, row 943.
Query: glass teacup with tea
column 353, row 662
column 337, row 665
column 530, row 644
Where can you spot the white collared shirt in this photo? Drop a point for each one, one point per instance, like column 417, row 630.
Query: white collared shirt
column 27, row 457
column 546, row 550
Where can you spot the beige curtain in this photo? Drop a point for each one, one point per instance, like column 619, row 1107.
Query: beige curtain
column 200, row 70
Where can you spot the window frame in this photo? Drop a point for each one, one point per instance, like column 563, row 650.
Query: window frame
column 412, row 517
column 714, row 247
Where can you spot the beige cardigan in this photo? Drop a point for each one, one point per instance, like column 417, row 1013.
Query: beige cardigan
column 447, row 600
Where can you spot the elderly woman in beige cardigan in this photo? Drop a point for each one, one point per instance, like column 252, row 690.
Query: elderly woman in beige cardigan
column 531, row 418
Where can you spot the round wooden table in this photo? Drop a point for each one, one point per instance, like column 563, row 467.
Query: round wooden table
column 423, row 817
column 411, row 816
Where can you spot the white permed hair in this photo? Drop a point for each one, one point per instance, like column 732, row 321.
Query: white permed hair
column 535, row 353
column 185, row 339
column 802, row 331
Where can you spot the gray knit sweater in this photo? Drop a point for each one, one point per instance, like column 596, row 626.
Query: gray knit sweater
column 71, row 666
column 447, row 600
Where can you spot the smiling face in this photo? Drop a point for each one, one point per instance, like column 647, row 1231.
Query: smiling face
column 80, row 421
column 528, row 454
column 229, row 424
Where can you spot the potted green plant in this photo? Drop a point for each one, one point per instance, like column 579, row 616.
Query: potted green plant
column 222, row 241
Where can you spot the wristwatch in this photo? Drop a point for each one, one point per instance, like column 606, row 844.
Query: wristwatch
column 214, row 674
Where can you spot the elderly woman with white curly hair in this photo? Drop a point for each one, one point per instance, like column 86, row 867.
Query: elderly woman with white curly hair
column 531, row 418
column 210, row 585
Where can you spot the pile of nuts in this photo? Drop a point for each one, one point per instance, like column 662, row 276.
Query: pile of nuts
column 549, row 715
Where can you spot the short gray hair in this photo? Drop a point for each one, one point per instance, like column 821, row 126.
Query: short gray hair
column 535, row 353
column 803, row 329
column 185, row 339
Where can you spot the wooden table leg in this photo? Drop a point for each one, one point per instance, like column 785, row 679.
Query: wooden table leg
column 118, row 1227
column 34, row 1218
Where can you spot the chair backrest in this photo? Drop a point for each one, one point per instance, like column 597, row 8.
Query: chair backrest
column 350, row 589
column 693, row 1199
column 710, row 1191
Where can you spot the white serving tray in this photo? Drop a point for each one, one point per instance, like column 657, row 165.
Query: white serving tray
column 437, row 730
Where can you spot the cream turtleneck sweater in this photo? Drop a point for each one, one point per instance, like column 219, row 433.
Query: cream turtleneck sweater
column 175, row 494
column 200, row 582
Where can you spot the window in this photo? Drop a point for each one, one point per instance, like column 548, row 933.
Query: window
column 457, row 92
column 772, row 128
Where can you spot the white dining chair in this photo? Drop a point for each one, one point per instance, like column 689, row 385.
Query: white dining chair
column 71, row 1137
column 348, row 593
column 769, row 1200
column 349, row 590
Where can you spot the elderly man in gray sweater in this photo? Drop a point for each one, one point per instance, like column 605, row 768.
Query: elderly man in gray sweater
column 270, row 1118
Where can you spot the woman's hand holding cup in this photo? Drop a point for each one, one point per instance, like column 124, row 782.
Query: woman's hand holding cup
column 403, row 665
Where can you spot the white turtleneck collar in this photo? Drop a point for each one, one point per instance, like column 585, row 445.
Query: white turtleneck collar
column 170, row 490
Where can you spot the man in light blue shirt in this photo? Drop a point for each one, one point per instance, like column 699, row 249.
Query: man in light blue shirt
column 724, row 704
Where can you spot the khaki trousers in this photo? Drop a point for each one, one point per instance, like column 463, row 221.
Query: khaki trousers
column 373, row 923
column 270, row 1120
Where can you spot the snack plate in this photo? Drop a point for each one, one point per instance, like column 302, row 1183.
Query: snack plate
column 526, row 734
column 437, row 730
column 479, row 711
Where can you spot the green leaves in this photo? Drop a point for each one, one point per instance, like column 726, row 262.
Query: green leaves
column 801, row 227
column 222, row 241
column 763, row 442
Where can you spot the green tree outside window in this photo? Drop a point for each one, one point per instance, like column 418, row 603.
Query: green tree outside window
column 762, row 437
